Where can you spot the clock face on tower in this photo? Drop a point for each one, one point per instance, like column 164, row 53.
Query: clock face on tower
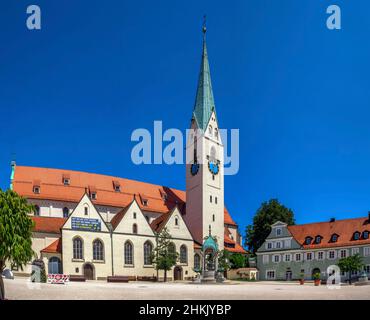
column 213, row 167
column 194, row 168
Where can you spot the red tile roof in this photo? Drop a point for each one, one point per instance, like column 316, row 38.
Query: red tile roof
column 48, row 224
column 52, row 188
column 230, row 244
column 54, row 247
column 344, row 228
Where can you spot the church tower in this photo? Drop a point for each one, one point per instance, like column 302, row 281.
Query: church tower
column 204, row 163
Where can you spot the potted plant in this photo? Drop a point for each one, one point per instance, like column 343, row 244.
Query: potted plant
column 316, row 278
column 301, row 278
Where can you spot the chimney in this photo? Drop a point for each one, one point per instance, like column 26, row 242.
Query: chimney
column 332, row 219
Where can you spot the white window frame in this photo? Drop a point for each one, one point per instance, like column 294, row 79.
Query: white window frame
column 322, row 255
column 274, row 256
column 341, row 253
column 355, row 251
column 278, row 231
column 311, row 255
column 299, row 255
column 334, row 255
column 268, row 271
column 366, row 251
column 287, row 255
column 265, row 259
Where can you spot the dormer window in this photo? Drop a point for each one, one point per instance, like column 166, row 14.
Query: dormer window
column 365, row 235
column 334, row 238
column 36, row 186
column 144, row 200
column 318, row 239
column 308, row 240
column 66, row 179
column 356, row 235
column 116, row 186
column 93, row 193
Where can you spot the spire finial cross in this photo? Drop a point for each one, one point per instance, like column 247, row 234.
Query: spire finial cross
column 204, row 24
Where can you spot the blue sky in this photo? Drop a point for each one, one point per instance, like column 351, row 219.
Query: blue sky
column 72, row 93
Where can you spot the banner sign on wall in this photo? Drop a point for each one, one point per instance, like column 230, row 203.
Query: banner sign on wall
column 86, row 224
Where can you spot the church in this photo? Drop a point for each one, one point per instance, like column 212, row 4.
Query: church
column 95, row 226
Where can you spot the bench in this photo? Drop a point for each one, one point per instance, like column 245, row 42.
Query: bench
column 118, row 279
column 77, row 278
column 146, row 278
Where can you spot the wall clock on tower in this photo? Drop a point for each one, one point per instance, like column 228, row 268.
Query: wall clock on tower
column 194, row 168
column 214, row 167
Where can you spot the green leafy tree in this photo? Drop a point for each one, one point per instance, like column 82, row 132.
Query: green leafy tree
column 15, row 232
column 238, row 260
column 351, row 264
column 224, row 260
column 268, row 213
column 164, row 255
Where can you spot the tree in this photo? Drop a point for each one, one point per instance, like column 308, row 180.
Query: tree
column 223, row 260
column 238, row 260
column 268, row 213
column 15, row 232
column 351, row 264
column 164, row 254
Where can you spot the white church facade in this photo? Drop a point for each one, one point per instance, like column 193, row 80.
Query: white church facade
column 97, row 226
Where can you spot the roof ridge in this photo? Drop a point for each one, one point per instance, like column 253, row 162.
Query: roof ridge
column 324, row 222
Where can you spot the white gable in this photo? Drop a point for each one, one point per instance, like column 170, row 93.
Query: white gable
column 176, row 226
column 132, row 216
column 85, row 213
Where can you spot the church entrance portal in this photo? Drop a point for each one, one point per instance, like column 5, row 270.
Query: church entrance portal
column 177, row 273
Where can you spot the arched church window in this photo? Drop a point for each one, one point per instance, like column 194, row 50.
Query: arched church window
column 216, row 133
column 98, row 250
column 210, row 130
column 183, row 254
column 129, row 253
column 148, row 248
column 172, row 247
column 78, row 248
column 196, row 262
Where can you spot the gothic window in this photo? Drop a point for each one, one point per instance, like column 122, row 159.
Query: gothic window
column 196, row 262
column 148, row 248
column 210, row 130
column 134, row 228
column 78, row 248
column 129, row 253
column 134, row 215
column 65, row 212
column 86, row 211
column 183, row 254
column 216, row 133
column 98, row 250
column 176, row 221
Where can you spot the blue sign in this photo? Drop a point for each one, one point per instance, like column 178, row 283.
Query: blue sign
column 86, row 224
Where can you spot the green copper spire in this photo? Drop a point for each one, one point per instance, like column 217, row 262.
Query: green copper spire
column 204, row 102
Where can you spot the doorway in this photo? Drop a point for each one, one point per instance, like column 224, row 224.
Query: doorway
column 89, row 271
column 177, row 273
column 54, row 266
column 288, row 275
